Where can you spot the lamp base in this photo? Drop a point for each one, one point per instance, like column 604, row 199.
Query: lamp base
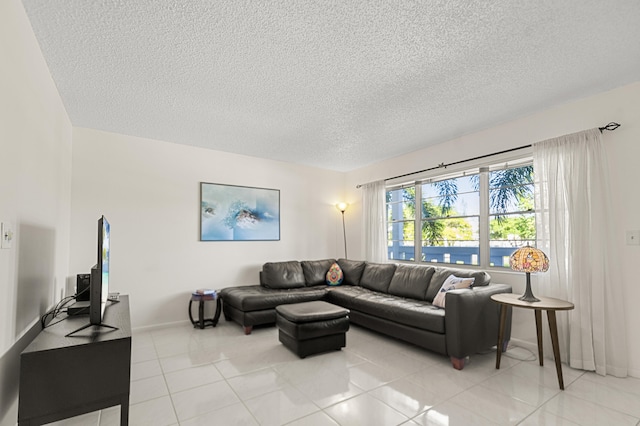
column 528, row 298
column 528, row 294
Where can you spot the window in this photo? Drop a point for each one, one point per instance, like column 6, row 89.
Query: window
column 511, row 214
column 474, row 217
column 451, row 219
column 401, row 207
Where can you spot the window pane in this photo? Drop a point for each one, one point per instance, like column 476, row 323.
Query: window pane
column 511, row 207
column 401, row 250
column 456, row 255
column 451, row 197
column 465, row 204
column 511, row 190
column 518, row 198
column 401, row 204
column 400, row 211
column 401, row 231
column 451, row 241
column 508, row 232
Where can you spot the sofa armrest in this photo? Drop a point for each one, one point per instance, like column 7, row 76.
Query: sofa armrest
column 472, row 320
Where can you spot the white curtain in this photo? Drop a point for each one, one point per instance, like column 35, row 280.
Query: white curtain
column 374, row 223
column 575, row 229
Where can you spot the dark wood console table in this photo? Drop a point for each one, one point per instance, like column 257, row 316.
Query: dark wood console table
column 62, row 377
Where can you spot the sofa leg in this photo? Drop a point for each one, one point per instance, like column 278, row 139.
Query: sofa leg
column 458, row 363
column 248, row 329
column 505, row 345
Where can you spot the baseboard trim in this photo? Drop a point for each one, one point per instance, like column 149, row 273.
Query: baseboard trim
column 159, row 325
column 533, row 347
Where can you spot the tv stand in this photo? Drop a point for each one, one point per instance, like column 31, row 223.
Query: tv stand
column 84, row 327
column 62, row 376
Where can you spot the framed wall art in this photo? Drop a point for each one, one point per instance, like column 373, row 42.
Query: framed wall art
column 239, row 213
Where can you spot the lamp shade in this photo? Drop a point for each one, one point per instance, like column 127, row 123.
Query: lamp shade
column 529, row 259
column 342, row 207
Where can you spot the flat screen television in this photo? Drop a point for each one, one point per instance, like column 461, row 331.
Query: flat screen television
column 99, row 285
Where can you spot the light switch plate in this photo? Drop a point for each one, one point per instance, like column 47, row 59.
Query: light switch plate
column 633, row 238
column 6, row 235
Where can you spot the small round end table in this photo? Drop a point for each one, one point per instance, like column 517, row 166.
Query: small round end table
column 202, row 322
column 548, row 304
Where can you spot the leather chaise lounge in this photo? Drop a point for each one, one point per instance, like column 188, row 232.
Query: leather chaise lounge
column 393, row 299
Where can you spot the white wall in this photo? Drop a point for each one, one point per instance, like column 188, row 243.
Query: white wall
column 623, row 148
column 35, row 186
column 149, row 191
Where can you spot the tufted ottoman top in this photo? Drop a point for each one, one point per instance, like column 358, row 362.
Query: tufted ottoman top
column 311, row 311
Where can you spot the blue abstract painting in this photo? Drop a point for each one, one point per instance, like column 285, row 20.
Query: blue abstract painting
column 239, row 213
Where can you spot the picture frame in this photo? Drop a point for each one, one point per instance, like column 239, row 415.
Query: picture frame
column 239, row 213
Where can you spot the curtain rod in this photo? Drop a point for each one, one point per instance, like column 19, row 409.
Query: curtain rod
column 611, row 127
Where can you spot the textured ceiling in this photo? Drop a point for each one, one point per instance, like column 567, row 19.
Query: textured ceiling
column 333, row 84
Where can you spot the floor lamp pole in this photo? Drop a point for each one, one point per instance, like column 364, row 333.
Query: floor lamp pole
column 344, row 236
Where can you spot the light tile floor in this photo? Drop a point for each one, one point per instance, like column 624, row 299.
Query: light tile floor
column 218, row 376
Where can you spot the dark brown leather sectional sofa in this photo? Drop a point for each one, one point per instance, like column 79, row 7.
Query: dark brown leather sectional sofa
column 393, row 299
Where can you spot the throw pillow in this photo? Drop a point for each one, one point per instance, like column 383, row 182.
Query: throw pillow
column 451, row 283
column 334, row 276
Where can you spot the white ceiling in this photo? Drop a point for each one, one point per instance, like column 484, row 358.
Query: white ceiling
column 332, row 84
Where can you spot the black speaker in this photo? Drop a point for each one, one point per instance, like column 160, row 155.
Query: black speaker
column 83, row 282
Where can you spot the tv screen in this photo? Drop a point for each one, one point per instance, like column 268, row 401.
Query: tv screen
column 99, row 286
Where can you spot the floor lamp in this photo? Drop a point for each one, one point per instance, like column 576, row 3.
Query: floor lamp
column 342, row 207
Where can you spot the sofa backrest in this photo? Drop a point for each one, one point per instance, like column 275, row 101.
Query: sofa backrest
column 421, row 282
column 377, row 276
column 411, row 281
column 441, row 273
column 282, row 275
column 351, row 271
column 315, row 271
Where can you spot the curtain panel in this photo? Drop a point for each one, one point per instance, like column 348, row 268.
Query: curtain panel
column 374, row 223
column 575, row 229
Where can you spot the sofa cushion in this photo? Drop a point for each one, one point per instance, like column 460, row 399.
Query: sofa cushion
column 411, row 281
column 352, row 270
column 257, row 298
column 377, row 276
column 451, row 283
column 410, row 312
column 315, row 271
column 481, row 278
column 282, row 275
column 334, row 275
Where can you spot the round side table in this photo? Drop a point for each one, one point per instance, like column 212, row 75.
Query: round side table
column 202, row 322
column 548, row 304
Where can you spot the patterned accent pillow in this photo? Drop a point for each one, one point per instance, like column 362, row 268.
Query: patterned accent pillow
column 334, row 276
column 451, row 283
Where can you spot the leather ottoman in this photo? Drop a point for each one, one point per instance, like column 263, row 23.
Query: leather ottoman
column 312, row 327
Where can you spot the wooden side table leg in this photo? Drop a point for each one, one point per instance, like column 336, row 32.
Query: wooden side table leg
column 124, row 412
column 216, row 316
column 553, row 328
column 503, row 320
column 201, row 314
column 538, row 314
column 191, row 316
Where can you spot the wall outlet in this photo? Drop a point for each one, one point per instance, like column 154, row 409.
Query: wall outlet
column 633, row 238
column 6, row 235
